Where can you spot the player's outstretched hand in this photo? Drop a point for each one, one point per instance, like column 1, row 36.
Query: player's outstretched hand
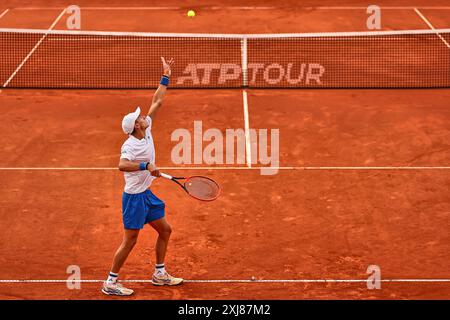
column 167, row 66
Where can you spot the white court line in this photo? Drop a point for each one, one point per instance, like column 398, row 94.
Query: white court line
column 242, row 8
column 130, row 8
column 431, row 26
column 33, row 50
column 148, row 8
column 248, row 150
column 382, row 7
column 3, row 13
column 100, row 8
column 224, row 168
column 242, row 281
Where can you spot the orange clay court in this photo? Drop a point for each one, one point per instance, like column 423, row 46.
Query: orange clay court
column 364, row 174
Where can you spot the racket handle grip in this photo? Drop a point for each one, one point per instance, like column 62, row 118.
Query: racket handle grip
column 164, row 175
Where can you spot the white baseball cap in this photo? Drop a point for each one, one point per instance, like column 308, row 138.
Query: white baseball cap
column 129, row 121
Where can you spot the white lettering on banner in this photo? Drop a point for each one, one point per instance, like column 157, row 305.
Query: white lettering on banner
column 289, row 78
column 274, row 66
column 255, row 67
column 208, row 68
column 191, row 71
column 272, row 74
column 311, row 75
column 225, row 75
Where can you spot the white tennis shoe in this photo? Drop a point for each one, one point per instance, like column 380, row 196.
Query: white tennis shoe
column 165, row 279
column 116, row 289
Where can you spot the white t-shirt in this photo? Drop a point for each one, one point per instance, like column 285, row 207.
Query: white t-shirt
column 143, row 151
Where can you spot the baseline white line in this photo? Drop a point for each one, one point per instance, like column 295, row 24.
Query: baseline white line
column 100, row 8
column 33, row 50
column 382, row 7
column 131, row 8
column 431, row 27
column 244, row 8
column 248, row 150
column 321, row 280
column 225, row 168
column 148, row 8
column 239, row 281
column 3, row 13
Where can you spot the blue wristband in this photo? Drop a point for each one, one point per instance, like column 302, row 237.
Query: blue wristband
column 164, row 81
column 143, row 166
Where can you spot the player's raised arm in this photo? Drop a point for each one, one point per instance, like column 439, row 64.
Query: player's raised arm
column 161, row 91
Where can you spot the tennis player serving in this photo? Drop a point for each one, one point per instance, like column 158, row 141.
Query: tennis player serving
column 139, row 205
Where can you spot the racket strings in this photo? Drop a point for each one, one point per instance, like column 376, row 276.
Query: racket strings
column 202, row 188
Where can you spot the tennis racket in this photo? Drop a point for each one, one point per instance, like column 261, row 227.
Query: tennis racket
column 198, row 187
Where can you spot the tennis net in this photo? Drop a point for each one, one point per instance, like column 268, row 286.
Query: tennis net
column 33, row 58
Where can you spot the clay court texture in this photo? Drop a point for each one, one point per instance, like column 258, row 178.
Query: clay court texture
column 363, row 176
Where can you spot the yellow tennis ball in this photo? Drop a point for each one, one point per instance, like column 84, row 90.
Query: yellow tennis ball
column 191, row 13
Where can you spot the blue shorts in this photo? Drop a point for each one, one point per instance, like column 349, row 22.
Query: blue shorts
column 141, row 208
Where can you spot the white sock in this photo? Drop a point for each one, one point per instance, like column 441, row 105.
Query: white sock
column 159, row 269
column 112, row 277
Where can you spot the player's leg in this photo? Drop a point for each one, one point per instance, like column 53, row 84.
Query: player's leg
column 161, row 276
column 129, row 241
column 111, row 286
column 134, row 214
column 164, row 231
column 156, row 219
